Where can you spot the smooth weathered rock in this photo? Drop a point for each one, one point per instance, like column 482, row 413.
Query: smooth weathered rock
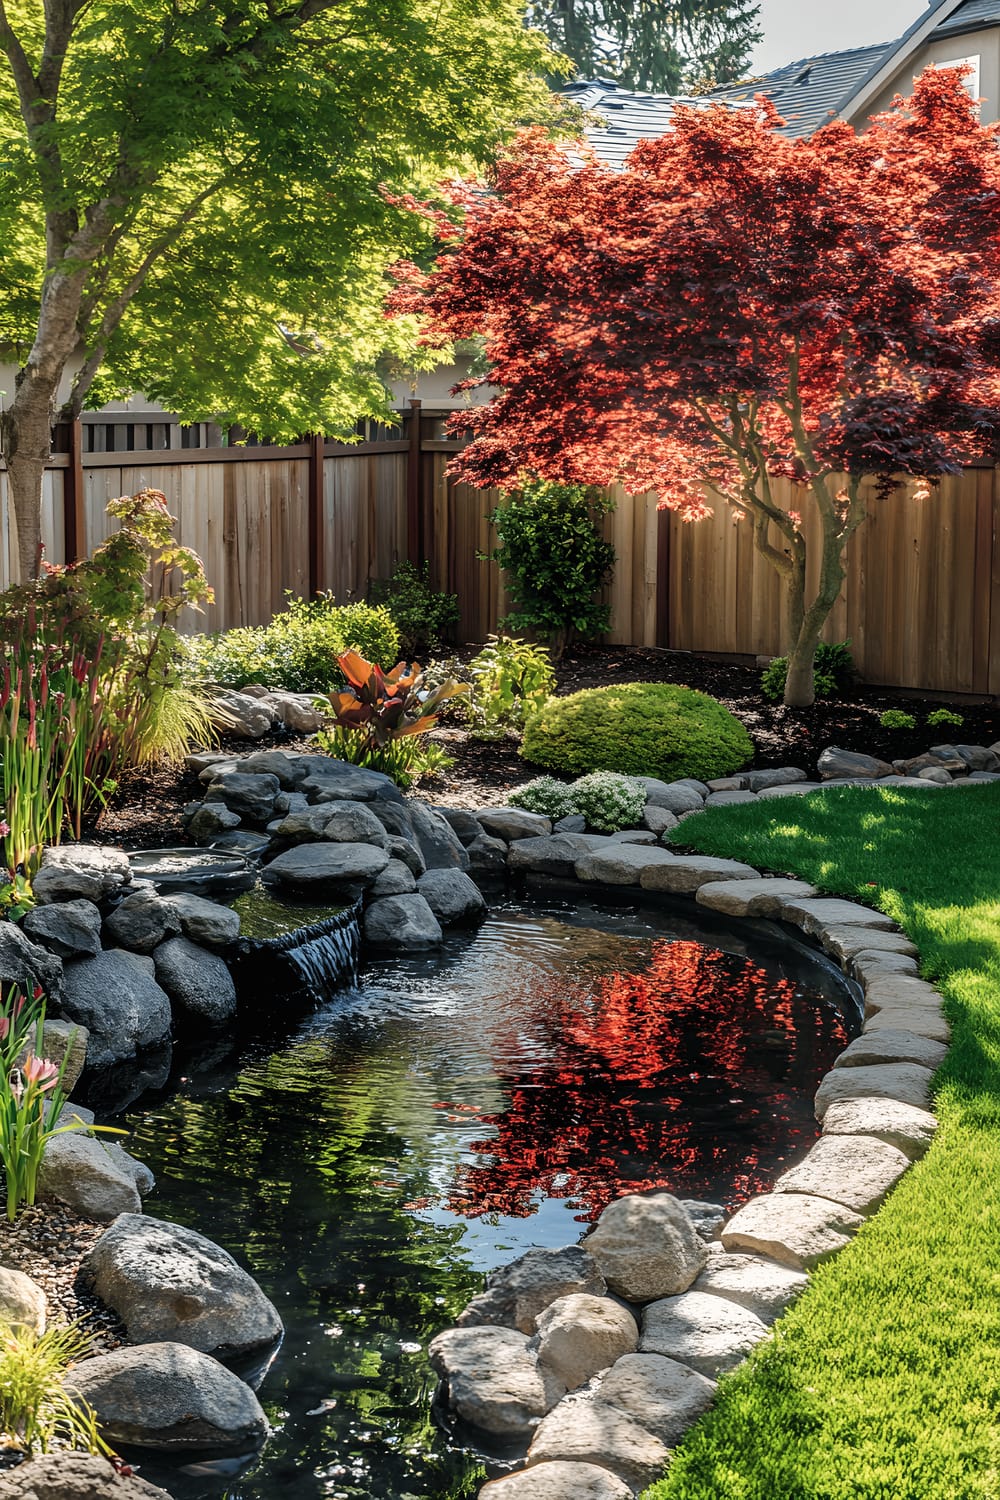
column 196, row 980
column 558, row 1481
column 396, row 879
column 250, row 797
column 872, row 963
column 834, row 762
column 764, row 1287
column 847, row 941
column 171, row 1398
column 515, row 1295
column 142, row 921
column 884, row 1045
column 764, row 781
column 571, row 823
column 452, row 897
column 487, row 854
column 103, row 863
column 710, row 1334
column 620, row 864
column 346, row 869
column 729, row 799
column 796, row 789
column 26, row 964
column 583, row 1429
column 403, row 922
column 798, row 1230
column 646, row 1247
column 205, row 922
column 580, row 1334
column 892, row 990
column 549, row 854
column 354, row 822
column 22, row 1301
column 70, row 929
column 902, row 1125
column 77, row 1169
column 658, row 820
column 856, row 1170
column 297, row 711
column 168, row 1283
column 74, row 1476
column 308, row 824
column 239, row 713
column 674, row 796
column 813, row 916
column 464, row 823
column 908, row 1082
column 327, row 779
column 402, row 849
column 661, row 1394
column 115, row 996
column 728, row 784
column 60, row 1038
column 920, row 1020
column 288, row 768
column 211, row 821
column 686, row 872
column 438, row 842
column 512, row 823
column 751, row 898
column 493, row 1380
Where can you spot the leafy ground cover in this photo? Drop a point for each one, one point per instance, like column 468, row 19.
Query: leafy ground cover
column 883, row 1382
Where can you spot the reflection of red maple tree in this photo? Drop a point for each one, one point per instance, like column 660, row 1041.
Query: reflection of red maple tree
column 674, row 1078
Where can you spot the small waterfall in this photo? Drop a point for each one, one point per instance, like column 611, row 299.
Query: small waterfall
column 322, row 956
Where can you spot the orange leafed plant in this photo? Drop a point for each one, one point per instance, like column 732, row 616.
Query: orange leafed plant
column 377, row 710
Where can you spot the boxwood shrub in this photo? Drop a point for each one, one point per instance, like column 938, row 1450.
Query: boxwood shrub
column 639, row 728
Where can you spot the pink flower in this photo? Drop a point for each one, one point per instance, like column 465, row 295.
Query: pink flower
column 41, row 1072
column 4, row 1028
column 4, row 828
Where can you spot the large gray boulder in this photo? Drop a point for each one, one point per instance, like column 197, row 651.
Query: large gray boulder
column 515, row 1294
column 647, row 1247
column 856, row 1170
column 548, row 854
column 342, row 869
column 251, row 797
column 92, row 1178
column 336, row 781
column 452, row 897
column 74, row 1476
column 197, row 981
column 492, row 1380
column 27, row 964
column 620, row 864
column 307, row 824
column 142, row 921
column 558, row 1481
column 70, row 929
column 205, row 922
column 684, row 874
column 88, row 870
column 353, row 822
column 464, row 823
column 580, row 1335
column 239, row 714
column 835, row 763
column 661, row 1394
column 711, row 1334
column 437, row 840
column 169, row 1283
column 285, row 765
column 405, row 923
column 397, row 879
column 212, row 821
column 673, row 796
column 171, row 1398
column 512, row 823
column 116, row 997
column 487, row 855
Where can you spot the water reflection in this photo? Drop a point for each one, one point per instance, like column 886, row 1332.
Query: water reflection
column 446, row 1115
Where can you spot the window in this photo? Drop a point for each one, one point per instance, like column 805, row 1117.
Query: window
column 971, row 79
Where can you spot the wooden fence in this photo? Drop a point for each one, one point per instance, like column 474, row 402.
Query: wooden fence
column 921, row 603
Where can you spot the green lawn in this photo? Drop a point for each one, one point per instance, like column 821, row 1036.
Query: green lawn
column 884, row 1380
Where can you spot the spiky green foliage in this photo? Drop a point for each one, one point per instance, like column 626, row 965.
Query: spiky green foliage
column 884, row 1380
column 37, row 1412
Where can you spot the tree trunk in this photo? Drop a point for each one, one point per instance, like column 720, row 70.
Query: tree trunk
column 800, row 687
column 805, row 624
column 26, row 440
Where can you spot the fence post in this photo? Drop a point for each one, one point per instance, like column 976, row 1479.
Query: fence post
column 317, row 449
column 414, row 489
column 663, row 519
column 74, row 496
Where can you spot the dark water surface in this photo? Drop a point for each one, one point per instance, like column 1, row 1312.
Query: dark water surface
column 369, row 1163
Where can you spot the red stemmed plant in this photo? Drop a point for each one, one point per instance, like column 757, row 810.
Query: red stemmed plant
column 378, row 715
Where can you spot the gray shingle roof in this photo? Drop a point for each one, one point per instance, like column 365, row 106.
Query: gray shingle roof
column 969, row 17
column 807, row 92
column 630, row 117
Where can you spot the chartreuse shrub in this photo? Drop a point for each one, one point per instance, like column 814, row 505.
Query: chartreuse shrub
column 939, row 716
column 884, row 1380
column 298, row 651
column 607, row 800
column 897, row 718
column 639, row 728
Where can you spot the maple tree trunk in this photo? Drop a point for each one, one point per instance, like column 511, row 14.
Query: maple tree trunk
column 805, row 622
column 26, row 440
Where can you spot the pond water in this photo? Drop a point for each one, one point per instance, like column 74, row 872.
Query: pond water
column 370, row 1162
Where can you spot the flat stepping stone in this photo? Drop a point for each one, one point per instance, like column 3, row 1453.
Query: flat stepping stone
column 872, row 963
column 762, row 897
column 512, row 823
column 558, row 1481
column 765, row 1287
column 919, row 1019
column 908, row 1082
column 319, row 865
column 729, row 799
column 794, row 1228
column 856, row 1170
column 775, row 780
column 800, row 789
column 621, row 864
column 710, row 1334
column 814, row 916
column 583, row 1429
column 661, row 1394
column 885, row 990
column 901, row 1125
column 884, row 1045
column 685, row 873
column 845, row 941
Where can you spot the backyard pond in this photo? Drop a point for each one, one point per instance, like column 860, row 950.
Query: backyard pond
column 369, row 1162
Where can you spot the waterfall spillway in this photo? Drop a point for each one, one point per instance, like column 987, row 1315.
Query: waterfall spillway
column 318, row 958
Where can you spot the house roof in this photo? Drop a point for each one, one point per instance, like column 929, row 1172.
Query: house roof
column 970, row 16
column 630, row 117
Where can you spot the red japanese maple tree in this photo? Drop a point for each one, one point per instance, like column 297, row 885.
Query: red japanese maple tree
column 734, row 307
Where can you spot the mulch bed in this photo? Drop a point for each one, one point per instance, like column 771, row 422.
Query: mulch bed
column 146, row 810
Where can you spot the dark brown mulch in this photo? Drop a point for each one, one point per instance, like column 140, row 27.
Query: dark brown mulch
column 145, row 812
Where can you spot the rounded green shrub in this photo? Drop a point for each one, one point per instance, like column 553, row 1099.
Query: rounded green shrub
column 639, row 728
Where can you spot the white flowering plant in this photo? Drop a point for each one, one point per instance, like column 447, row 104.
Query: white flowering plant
column 608, row 800
column 545, row 795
